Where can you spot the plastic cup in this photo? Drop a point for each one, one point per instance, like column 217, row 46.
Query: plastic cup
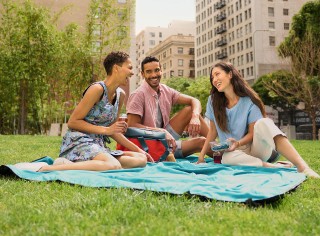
column 123, row 117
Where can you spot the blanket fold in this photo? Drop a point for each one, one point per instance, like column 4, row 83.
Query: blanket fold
column 210, row 180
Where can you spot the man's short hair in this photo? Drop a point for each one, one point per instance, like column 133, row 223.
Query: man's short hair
column 148, row 60
column 114, row 58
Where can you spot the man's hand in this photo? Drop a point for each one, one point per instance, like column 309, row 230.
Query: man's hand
column 194, row 125
column 171, row 141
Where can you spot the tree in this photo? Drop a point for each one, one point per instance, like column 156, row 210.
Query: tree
column 26, row 49
column 43, row 70
column 264, row 87
column 198, row 88
column 107, row 30
column 302, row 47
column 39, row 66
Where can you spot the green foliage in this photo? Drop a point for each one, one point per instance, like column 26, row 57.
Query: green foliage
column 43, row 70
column 107, row 30
column 27, row 51
column 264, row 87
column 198, row 88
column 302, row 46
column 57, row 208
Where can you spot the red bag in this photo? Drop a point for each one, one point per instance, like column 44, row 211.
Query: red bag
column 151, row 141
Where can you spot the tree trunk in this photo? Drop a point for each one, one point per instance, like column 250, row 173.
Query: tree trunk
column 314, row 125
column 23, row 106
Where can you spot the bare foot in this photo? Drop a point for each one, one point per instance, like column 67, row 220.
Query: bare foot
column 310, row 173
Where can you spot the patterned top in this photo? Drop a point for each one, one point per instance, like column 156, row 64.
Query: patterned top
column 80, row 146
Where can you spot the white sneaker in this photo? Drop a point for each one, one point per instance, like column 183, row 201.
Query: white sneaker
column 61, row 161
column 32, row 166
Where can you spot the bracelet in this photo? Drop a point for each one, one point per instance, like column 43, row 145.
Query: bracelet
column 239, row 144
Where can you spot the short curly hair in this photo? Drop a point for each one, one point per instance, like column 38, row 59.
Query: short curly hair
column 148, row 60
column 114, row 58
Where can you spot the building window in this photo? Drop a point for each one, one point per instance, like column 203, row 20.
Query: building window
column 164, row 66
column 272, row 41
column 180, row 62
column 180, row 50
column 152, row 42
column 160, row 34
column 180, row 72
column 192, row 74
column 164, row 55
column 270, row 11
column 285, row 12
column 271, row 25
column 152, row 34
column 286, row 26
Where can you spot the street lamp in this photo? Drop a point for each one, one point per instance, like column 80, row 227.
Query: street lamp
column 254, row 51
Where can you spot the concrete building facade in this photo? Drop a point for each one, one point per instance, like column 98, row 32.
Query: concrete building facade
column 243, row 32
column 176, row 55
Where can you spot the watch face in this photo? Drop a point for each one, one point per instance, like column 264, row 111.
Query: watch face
column 116, row 153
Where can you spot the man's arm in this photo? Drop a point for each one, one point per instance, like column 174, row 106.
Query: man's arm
column 194, row 124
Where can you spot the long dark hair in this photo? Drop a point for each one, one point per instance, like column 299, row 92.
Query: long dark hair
column 241, row 89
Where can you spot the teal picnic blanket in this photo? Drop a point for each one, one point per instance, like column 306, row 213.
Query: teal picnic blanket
column 210, row 180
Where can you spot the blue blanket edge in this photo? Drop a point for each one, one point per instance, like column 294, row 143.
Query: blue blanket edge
column 181, row 165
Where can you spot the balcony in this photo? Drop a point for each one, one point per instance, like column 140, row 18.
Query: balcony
column 221, row 29
column 221, row 17
column 220, row 4
column 222, row 55
column 221, row 42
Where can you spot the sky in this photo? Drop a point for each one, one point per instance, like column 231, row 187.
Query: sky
column 154, row 13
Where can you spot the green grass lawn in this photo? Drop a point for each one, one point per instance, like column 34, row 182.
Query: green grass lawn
column 52, row 208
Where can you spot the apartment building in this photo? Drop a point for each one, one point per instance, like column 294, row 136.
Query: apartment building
column 243, row 32
column 176, row 55
column 151, row 37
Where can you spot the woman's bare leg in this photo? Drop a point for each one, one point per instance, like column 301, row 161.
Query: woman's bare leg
column 286, row 149
column 99, row 163
column 132, row 160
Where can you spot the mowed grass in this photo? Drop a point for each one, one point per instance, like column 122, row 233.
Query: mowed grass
column 53, row 208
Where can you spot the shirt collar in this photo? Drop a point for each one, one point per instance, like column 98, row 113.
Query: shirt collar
column 150, row 90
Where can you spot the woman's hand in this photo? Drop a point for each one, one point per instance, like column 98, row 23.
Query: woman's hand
column 200, row 160
column 149, row 157
column 117, row 127
column 233, row 144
